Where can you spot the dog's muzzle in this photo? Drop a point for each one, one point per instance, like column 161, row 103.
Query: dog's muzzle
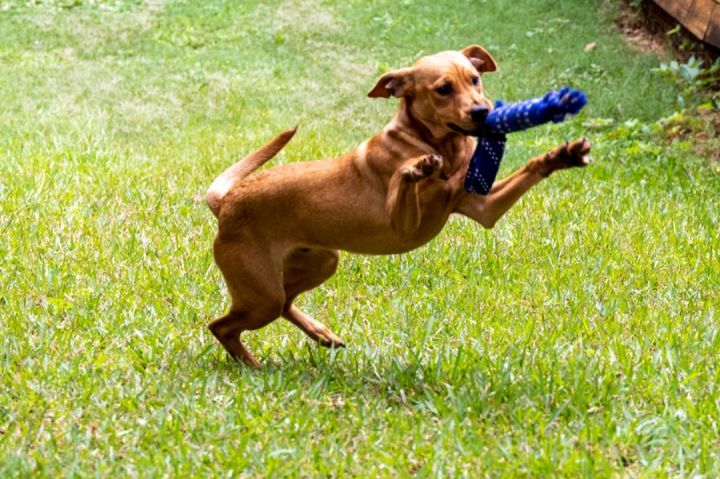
column 479, row 114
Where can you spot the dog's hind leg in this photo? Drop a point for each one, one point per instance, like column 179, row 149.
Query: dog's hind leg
column 227, row 330
column 258, row 298
column 304, row 269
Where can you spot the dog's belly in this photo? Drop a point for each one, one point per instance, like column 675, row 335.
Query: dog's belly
column 318, row 205
column 386, row 243
column 376, row 237
column 364, row 227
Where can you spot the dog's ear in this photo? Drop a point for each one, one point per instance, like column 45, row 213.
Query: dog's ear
column 397, row 83
column 480, row 58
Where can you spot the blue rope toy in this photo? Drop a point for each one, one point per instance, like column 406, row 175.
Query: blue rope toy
column 507, row 118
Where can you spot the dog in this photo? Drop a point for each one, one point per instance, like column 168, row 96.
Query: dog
column 280, row 230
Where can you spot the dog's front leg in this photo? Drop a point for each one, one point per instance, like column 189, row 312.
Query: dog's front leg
column 487, row 210
column 403, row 200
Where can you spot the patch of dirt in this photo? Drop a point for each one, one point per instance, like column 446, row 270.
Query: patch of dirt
column 94, row 25
column 306, row 16
column 632, row 26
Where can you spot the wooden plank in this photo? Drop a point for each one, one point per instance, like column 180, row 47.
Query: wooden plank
column 700, row 17
column 697, row 17
column 712, row 35
column 676, row 8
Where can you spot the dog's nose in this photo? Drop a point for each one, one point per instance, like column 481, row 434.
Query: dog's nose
column 478, row 113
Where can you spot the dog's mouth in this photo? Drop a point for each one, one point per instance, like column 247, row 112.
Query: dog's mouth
column 476, row 131
column 481, row 131
column 459, row 129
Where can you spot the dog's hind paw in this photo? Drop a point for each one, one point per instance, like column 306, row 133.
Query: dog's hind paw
column 329, row 340
column 423, row 168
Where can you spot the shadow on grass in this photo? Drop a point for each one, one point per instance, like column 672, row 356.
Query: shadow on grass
column 457, row 383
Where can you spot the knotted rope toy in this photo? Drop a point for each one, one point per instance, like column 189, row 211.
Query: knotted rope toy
column 554, row 107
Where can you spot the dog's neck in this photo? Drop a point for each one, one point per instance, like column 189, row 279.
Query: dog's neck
column 449, row 144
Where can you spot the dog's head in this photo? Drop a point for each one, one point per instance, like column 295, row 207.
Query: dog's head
column 443, row 91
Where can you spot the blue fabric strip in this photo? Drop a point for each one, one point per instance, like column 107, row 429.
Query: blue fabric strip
column 484, row 165
column 554, row 107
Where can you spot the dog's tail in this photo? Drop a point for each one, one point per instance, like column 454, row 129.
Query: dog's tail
column 222, row 184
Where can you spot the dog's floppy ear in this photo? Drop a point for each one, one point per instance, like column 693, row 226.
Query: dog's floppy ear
column 397, row 83
column 480, row 58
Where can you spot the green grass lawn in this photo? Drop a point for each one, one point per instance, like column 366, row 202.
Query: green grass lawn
column 578, row 337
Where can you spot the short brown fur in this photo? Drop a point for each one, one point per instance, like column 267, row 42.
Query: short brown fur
column 280, row 230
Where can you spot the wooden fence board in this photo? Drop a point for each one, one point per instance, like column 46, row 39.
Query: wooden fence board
column 712, row 36
column 700, row 17
column 676, row 8
column 697, row 17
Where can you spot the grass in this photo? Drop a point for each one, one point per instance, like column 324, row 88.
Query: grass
column 579, row 337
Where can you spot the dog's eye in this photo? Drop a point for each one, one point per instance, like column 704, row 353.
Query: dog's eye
column 444, row 90
column 475, row 80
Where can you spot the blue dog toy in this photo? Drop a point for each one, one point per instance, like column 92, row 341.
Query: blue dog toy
column 507, row 118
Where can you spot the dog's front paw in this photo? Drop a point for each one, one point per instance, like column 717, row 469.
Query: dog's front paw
column 569, row 155
column 425, row 167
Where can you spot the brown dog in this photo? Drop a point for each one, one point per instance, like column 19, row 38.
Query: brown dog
column 280, row 229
